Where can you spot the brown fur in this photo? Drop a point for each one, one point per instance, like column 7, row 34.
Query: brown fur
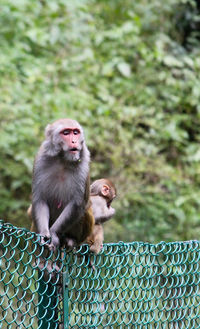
column 95, row 240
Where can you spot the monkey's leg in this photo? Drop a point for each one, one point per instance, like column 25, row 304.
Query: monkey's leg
column 97, row 238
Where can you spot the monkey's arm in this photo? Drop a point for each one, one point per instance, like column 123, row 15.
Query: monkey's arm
column 40, row 211
column 95, row 240
column 68, row 217
column 102, row 214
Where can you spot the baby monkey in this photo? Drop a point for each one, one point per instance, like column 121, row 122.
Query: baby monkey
column 102, row 193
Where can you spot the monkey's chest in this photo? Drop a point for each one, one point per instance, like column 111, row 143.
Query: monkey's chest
column 63, row 189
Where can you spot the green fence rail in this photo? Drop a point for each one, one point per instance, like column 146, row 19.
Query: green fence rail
column 128, row 285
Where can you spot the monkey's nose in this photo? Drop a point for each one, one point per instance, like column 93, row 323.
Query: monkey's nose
column 74, row 141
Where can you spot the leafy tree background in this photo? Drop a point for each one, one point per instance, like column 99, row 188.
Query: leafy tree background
column 129, row 72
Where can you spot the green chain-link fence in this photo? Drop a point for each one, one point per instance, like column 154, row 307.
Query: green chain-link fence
column 128, row 285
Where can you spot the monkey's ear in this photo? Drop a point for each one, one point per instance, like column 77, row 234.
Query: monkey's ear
column 51, row 146
column 48, row 130
column 105, row 190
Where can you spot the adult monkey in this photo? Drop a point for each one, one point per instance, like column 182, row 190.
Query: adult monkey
column 61, row 187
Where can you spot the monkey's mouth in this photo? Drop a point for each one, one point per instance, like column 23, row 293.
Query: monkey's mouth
column 73, row 150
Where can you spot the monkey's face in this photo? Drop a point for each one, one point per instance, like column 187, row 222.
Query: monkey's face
column 72, row 143
column 110, row 197
column 65, row 136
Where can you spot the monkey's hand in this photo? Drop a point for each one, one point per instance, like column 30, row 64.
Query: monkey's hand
column 46, row 241
column 104, row 218
column 55, row 240
column 45, row 237
column 111, row 211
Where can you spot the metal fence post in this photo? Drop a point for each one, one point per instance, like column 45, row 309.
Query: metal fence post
column 66, row 298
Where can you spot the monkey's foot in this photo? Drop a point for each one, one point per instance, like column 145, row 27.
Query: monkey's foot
column 96, row 248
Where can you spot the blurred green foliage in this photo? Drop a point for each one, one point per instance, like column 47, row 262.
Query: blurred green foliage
column 129, row 72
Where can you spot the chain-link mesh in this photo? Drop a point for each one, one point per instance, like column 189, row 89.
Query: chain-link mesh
column 128, row 285
column 29, row 282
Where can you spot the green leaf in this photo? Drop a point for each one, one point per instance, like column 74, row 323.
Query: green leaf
column 124, row 69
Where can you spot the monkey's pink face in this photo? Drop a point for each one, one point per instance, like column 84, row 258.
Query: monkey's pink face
column 72, row 142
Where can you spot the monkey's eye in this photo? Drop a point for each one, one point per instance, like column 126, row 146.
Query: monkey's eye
column 76, row 131
column 66, row 131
